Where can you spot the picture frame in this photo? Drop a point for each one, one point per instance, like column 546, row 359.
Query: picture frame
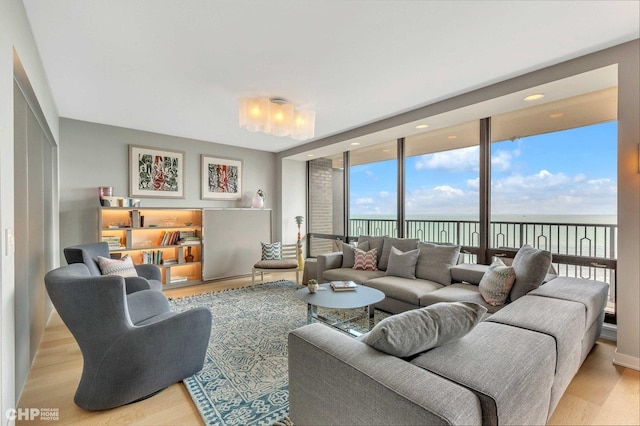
column 156, row 172
column 221, row 178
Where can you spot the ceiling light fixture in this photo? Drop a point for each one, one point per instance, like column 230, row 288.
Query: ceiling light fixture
column 354, row 143
column 534, row 97
column 422, row 126
column 451, row 137
column 277, row 117
column 556, row 115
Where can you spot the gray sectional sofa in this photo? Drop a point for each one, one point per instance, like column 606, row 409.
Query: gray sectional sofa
column 510, row 368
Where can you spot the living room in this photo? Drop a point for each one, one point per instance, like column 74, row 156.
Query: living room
column 92, row 154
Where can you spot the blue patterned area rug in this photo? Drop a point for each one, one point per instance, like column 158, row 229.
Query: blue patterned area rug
column 245, row 378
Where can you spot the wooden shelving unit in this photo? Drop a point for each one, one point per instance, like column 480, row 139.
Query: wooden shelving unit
column 140, row 233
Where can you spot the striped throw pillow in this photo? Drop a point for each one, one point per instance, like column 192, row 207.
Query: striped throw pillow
column 496, row 283
column 365, row 260
column 123, row 266
column 271, row 251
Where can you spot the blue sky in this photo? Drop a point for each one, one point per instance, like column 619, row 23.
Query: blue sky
column 571, row 172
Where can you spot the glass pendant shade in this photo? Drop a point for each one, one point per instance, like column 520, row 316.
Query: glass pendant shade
column 254, row 114
column 280, row 118
column 304, row 125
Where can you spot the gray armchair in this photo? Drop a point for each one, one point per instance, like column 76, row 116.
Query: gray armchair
column 149, row 276
column 132, row 345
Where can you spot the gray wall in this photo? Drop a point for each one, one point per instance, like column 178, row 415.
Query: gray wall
column 93, row 155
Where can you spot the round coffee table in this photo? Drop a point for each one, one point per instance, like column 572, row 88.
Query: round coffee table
column 325, row 297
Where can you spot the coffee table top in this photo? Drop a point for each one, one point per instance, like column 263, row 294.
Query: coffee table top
column 324, row 297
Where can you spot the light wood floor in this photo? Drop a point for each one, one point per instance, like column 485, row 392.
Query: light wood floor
column 601, row 393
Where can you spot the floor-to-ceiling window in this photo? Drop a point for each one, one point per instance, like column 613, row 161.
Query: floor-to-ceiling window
column 442, row 185
column 373, row 190
column 554, row 183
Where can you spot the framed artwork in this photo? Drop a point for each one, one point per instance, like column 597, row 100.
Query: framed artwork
column 221, row 178
column 156, row 173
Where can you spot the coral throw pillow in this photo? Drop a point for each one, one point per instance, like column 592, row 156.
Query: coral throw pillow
column 123, row 266
column 365, row 260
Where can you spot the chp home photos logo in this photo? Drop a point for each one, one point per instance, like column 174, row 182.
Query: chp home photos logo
column 33, row 414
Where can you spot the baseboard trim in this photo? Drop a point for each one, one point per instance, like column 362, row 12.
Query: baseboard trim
column 627, row 361
column 609, row 332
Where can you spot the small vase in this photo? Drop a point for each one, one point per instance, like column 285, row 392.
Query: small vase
column 313, row 287
column 258, row 200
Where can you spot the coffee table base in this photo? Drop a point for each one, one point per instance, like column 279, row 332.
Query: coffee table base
column 342, row 325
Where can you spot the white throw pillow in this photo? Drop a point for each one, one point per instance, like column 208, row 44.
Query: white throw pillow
column 497, row 282
column 123, row 266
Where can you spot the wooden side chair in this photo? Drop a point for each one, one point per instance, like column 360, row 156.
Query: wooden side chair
column 287, row 261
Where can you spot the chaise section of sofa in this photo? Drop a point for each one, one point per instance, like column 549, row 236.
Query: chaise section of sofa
column 335, row 379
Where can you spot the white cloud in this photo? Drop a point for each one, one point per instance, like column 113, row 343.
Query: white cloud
column 501, row 161
column 448, row 191
column 365, row 201
column 383, row 194
column 457, row 160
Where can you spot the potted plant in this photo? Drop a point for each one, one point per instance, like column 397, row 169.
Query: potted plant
column 312, row 285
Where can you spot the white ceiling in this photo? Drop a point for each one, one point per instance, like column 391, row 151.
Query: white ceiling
column 179, row 67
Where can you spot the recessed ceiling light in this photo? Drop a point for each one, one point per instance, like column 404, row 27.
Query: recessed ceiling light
column 534, row 97
column 354, row 143
column 556, row 115
column 422, row 126
column 309, row 155
column 385, row 150
column 451, row 137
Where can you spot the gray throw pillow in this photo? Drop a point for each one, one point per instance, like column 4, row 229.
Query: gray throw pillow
column 402, row 264
column 402, row 244
column 531, row 266
column 374, row 243
column 419, row 330
column 435, row 262
column 348, row 253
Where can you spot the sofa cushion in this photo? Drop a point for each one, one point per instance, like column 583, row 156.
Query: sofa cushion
column 470, row 273
column 496, row 283
column 510, row 369
column 123, row 266
column 435, row 262
column 592, row 294
column 374, row 243
column 402, row 244
column 271, row 251
column 402, row 264
column 561, row 319
column 350, row 274
column 348, row 253
column 458, row 292
column 404, row 289
column 365, row 260
column 411, row 332
column 531, row 266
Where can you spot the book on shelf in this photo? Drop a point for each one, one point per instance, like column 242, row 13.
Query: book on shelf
column 343, row 285
column 170, row 261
